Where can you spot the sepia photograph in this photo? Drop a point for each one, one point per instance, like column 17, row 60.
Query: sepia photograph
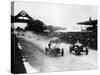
column 49, row 37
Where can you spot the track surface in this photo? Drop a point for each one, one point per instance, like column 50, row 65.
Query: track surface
column 37, row 61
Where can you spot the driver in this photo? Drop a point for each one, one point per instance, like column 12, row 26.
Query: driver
column 78, row 43
column 53, row 45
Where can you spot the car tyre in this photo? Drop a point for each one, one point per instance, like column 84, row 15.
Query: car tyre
column 47, row 51
column 70, row 50
column 86, row 51
column 62, row 52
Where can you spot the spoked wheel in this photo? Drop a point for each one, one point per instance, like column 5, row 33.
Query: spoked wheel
column 62, row 52
column 47, row 51
column 86, row 51
column 70, row 50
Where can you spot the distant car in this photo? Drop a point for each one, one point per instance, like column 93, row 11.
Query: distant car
column 54, row 50
column 78, row 50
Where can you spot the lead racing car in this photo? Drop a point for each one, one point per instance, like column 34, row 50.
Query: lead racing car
column 54, row 49
column 78, row 49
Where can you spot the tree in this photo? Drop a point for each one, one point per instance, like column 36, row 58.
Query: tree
column 19, row 29
column 37, row 26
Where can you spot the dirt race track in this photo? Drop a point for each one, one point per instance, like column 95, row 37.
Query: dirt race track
column 37, row 61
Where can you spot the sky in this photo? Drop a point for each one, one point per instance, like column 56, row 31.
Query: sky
column 62, row 15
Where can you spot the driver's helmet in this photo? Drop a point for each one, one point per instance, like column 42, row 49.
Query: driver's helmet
column 78, row 41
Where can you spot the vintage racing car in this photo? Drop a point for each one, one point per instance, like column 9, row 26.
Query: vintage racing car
column 78, row 50
column 54, row 49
